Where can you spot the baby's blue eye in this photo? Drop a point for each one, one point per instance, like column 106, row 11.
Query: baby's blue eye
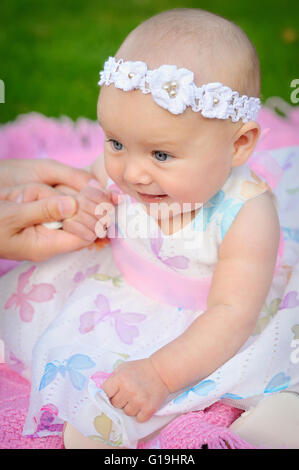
column 161, row 156
column 115, row 144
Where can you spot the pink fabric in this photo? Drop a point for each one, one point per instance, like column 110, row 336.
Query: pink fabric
column 158, row 283
column 189, row 431
column 14, row 402
column 195, row 430
column 281, row 132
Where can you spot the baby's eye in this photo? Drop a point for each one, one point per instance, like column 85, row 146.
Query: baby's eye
column 115, row 144
column 161, row 156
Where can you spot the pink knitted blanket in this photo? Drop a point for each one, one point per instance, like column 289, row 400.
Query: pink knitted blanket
column 190, row 431
column 14, row 402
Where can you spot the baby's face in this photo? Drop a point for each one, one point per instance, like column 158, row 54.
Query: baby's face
column 156, row 156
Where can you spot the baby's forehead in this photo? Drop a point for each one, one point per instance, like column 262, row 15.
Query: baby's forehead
column 213, row 48
column 138, row 109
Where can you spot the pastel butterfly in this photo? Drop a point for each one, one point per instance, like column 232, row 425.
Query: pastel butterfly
column 126, row 332
column 209, row 211
column 270, row 311
column 279, row 382
column 46, row 420
column 173, row 262
column 295, row 330
column 218, row 204
column 116, row 280
column 231, row 396
column 103, row 426
column 80, row 276
column 288, row 162
column 290, row 300
column 37, row 293
column 202, row 389
column 46, row 423
column 229, row 210
column 100, row 377
column 290, row 234
column 71, row 367
column 293, row 190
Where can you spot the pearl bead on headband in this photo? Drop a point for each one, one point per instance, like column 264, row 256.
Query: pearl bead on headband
column 174, row 89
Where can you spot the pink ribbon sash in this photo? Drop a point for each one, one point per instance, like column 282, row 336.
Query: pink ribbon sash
column 157, row 282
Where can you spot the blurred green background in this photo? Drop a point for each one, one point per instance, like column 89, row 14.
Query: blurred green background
column 51, row 51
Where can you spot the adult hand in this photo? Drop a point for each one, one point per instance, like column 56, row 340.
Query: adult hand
column 21, row 171
column 21, row 233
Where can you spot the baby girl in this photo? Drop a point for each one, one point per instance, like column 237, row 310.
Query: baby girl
column 167, row 317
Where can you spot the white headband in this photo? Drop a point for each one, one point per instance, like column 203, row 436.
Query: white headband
column 174, row 90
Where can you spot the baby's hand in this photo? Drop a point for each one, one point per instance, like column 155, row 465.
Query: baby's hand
column 85, row 223
column 137, row 388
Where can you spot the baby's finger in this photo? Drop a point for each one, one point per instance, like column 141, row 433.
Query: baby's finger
column 131, row 410
column 94, row 195
column 144, row 415
column 79, row 229
column 101, row 229
column 87, row 205
column 110, row 387
column 118, row 400
column 97, row 194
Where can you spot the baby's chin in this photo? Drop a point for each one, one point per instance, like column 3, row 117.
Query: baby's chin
column 167, row 208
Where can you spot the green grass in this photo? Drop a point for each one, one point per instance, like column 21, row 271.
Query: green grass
column 51, row 51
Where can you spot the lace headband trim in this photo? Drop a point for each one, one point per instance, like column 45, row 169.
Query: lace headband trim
column 173, row 89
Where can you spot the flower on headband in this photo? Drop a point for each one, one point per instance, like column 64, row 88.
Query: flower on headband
column 106, row 77
column 215, row 100
column 171, row 88
column 174, row 89
column 130, row 75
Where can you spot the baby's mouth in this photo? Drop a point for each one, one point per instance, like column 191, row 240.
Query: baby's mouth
column 152, row 197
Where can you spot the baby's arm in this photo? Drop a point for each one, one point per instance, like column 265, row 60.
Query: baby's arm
column 239, row 287
column 240, row 284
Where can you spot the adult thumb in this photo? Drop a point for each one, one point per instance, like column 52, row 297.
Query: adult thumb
column 45, row 210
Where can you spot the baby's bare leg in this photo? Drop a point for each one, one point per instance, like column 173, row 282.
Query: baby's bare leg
column 272, row 424
column 73, row 439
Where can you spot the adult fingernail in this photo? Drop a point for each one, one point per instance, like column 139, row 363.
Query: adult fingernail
column 67, row 206
column 95, row 184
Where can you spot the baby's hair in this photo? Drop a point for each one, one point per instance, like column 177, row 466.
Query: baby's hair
column 214, row 48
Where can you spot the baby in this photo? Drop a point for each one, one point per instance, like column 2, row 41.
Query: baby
column 166, row 318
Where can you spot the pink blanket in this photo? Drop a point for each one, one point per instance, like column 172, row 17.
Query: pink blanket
column 78, row 144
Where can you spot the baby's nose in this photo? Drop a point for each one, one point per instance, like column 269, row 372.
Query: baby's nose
column 135, row 174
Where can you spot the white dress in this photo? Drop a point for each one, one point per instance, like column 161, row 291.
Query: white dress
column 69, row 321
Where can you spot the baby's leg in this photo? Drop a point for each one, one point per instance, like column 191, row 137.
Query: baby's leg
column 73, row 439
column 272, row 424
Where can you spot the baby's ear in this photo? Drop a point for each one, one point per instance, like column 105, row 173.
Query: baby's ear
column 245, row 141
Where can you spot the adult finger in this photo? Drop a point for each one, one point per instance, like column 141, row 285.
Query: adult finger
column 26, row 192
column 53, row 173
column 45, row 210
column 54, row 242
